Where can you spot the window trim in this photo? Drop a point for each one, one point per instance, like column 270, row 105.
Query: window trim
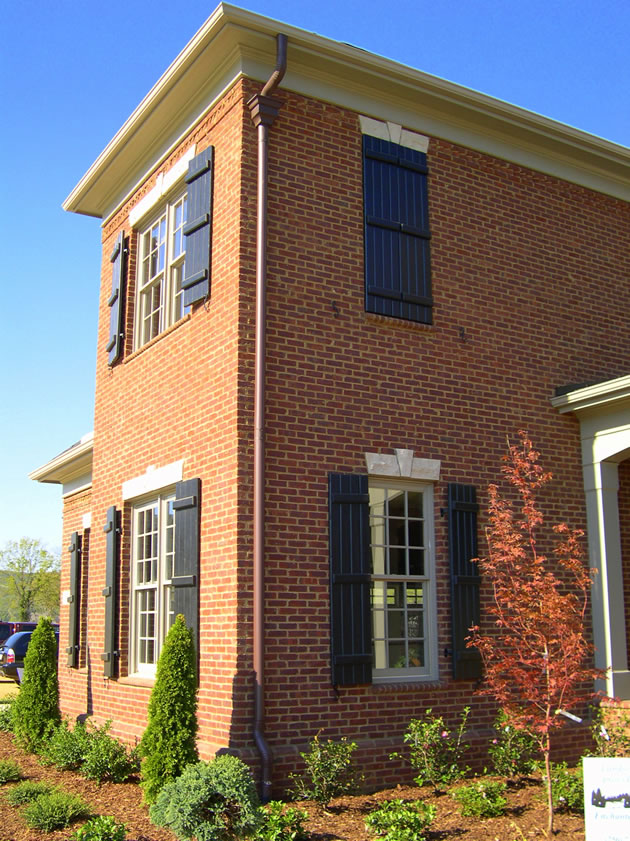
column 168, row 277
column 429, row 672
column 163, row 585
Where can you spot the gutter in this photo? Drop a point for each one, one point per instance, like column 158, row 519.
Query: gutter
column 264, row 109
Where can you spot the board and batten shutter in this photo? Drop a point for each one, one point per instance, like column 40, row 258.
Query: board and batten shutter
column 185, row 580
column 115, row 302
column 198, row 228
column 350, row 579
column 111, row 653
column 465, row 578
column 397, row 236
column 74, row 600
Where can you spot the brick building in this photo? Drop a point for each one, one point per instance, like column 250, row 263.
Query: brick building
column 295, row 423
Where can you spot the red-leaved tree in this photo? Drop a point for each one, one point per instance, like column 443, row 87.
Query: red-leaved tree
column 537, row 658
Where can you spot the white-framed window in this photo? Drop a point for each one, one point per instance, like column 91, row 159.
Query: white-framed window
column 404, row 632
column 161, row 257
column 153, row 550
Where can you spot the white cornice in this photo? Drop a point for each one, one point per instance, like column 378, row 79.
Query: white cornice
column 235, row 43
column 69, row 465
column 589, row 397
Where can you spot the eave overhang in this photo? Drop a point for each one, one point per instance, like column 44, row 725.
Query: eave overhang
column 609, row 394
column 234, row 43
column 71, row 464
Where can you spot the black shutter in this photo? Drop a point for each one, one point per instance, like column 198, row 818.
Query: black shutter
column 186, row 565
column 397, row 257
column 110, row 592
column 198, row 228
column 117, row 259
column 74, row 601
column 465, row 579
column 350, row 577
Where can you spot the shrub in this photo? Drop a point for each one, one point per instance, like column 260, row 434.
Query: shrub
column 9, row 771
column 26, row 791
column 6, row 722
column 106, row 758
column 567, row 788
column 512, row 751
column 55, row 810
column 168, row 743
column 66, row 748
column 329, row 771
column 611, row 732
column 281, row 823
column 483, row 799
column 434, row 751
column 397, row 820
column 101, row 828
column 36, row 709
column 210, row 801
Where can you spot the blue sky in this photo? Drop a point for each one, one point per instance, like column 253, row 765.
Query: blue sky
column 71, row 72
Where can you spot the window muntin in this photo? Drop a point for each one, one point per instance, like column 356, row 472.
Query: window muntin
column 160, row 272
column 401, row 527
column 153, row 535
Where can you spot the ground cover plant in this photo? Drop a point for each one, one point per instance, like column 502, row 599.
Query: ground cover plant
column 537, row 657
column 210, row 801
column 399, row 820
column 481, row 799
column 56, row 809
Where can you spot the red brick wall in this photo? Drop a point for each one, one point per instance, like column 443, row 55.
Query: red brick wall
column 524, row 270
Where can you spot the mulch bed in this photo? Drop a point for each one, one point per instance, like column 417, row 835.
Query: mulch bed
column 526, row 817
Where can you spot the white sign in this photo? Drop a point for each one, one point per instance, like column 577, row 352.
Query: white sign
column 607, row 798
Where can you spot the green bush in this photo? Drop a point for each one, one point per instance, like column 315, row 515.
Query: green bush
column 483, row 799
column 434, row 751
column 398, row 820
column 168, row 744
column 210, row 801
column 281, row 823
column 55, row 810
column 6, row 721
column 512, row 751
column 567, row 788
column 106, row 758
column 26, row 791
column 612, row 735
column 9, row 771
column 66, row 748
column 35, row 711
column 329, row 771
column 101, row 828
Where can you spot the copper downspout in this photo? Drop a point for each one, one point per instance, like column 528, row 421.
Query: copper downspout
column 264, row 109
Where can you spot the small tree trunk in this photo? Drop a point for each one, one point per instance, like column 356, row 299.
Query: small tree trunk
column 548, row 776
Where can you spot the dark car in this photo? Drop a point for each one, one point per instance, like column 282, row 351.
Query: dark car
column 13, row 652
column 9, row 628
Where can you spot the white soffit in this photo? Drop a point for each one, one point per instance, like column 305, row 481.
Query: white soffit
column 234, row 43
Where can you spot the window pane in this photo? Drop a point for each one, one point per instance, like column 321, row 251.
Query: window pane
column 416, row 533
column 397, row 655
column 414, row 594
column 416, row 562
column 396, row 503
column 397, row 533
column 396, row 624
column 414, row 504
column 397, row 561
column 416, row 654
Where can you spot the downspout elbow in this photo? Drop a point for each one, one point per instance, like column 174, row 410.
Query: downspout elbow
column 281, row 65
